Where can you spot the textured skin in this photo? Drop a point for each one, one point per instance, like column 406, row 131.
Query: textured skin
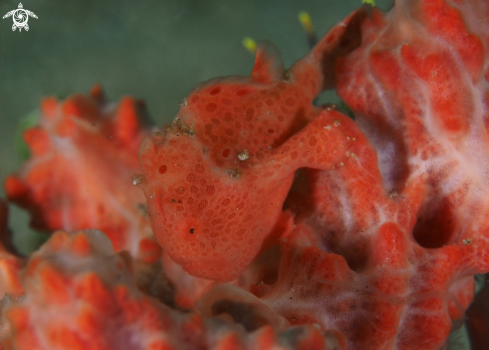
column 83, row 158
column 79, row 295
column 211, row 211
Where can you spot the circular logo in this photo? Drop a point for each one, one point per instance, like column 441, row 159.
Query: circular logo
column 20, row 17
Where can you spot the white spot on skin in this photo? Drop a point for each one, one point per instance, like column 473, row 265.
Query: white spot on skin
column 137, row 180
column 244, row 155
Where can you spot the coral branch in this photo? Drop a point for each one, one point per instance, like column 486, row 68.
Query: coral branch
column 84, row 157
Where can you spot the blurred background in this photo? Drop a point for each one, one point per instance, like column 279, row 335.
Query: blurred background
column 154, row 50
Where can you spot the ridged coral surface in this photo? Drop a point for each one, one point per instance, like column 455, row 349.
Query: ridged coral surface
column 283, row 224
column 80, row 295
column 83, row 159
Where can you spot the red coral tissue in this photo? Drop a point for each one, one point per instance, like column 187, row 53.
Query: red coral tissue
column 83, row 162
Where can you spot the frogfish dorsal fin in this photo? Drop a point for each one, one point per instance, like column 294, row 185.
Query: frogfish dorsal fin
column 268, row 66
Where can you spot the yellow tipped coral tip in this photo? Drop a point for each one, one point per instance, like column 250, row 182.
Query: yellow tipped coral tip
column 370, row 2
column 306, row 22
column 249, row 44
